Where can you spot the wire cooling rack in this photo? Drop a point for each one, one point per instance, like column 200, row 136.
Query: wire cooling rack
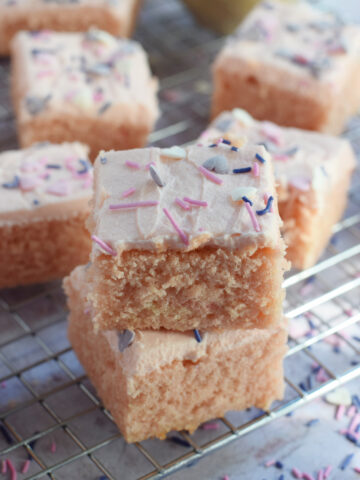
column 48, row 407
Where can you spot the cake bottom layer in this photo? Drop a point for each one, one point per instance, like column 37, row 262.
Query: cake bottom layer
column 41, row 251
column 167, row 380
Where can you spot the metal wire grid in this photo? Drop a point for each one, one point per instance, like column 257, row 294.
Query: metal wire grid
column 33, row 319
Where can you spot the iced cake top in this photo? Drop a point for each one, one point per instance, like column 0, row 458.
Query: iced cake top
column 303, row 160
column 90, row 73
column 298, row 37
column 44, row 181
column 221, row 194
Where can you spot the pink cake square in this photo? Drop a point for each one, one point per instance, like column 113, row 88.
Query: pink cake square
column 89, row 87
column 185, row 239
column 44, row 201
column 312, row 169
column 114, row 16
column 156, row 381
column 292, row 64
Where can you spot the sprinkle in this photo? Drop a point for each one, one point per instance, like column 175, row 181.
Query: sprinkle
column 125, row 339
column 320, row 475
column 267, row 208
column 340, row 412
column 270, row 463
column 103, row 160
column 104, row 107
column 312, row 422
column 242, row 170
column 53, row 447
column 357, row 469
column 210, row 176
column 296, row 473
column 279, row 465
column 53, row 165
column 155, row 176
column 226, row 477
column 12, row 469
column 132, row 164
column 300, row 183
column 254, row 221
column 351, row 411
column 3, row 467
column 197, row 335
column 341, row 396
column 234, row 149
column 180, row 232
column 356, row 401
column 128, row 192
column 256, row 170
column 6, row 434
column 103, row 477
column 198, row 203
column 354, row 422
column 178, row 441
column 210, row 426
column 149, row 203
column 282, row 477
column 61, row 188
column 86, row 166
column 104, row 245
column 346, row 462
column 352, row 438
column 307, row 476
column 218, row 164
column 26, row 466
column 182, row 204
column 173, row 152
column 227, row 142
column 240, row 192
column 260, row 158
column 13, row 184
column 327, row 471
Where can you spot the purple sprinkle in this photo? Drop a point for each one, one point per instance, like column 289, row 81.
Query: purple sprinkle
column 13, row 184
column 312, row 422
column 346, row 462
column 267, row 208
column 197, row 335
column 179, row 441
column 242, row 170
column 260, row 158
column 227, row 142
column 245, row 199
column 54, row 166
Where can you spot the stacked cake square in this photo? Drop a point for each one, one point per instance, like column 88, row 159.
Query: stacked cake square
column 178, row 317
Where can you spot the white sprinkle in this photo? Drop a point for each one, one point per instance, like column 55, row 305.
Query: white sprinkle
column 341, row 396
column 243, row 116
column 240, row 192
column 173, row 152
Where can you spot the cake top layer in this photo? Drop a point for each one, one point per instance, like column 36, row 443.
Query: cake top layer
column 297, row 37
column 44, row 181
column 90, row 73
column 182, row 199
column 302, row 159
column 143, row 351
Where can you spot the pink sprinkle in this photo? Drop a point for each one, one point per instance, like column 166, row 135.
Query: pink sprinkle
column 357, row 469
column 45, row 73
column 98, row 96
column 69, row 163
column 354, row 423
column 128, row 192
column 340, row 412
column 53, row 447
column 300, row 183
column 61, row 188
column 210, row 426
column 3, row 384
column 254, row 221
column 132, row 164
column 198, row 203
column 270, row 463
column 3, row 467
column 280, row 157
column 273, row 133
column 296, row 473
column 104, row 245
column 181, row 233
column 320, row 475
column 119, row 206
column 182, row 204
column 87, row 182
column 26, row 466
column 256, row 169
column 307, row 476
column 343, row 431
column 12, row 469
column 351, row 411
column 226, row 477
column 327, row 471
column 28, row 183
column 210, row 175
column 266, row 198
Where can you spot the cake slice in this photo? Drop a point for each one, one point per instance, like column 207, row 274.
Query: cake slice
column 292, row 64
column 154, row 382
column 185, row 239
column 89, row 87
column 116, row 17
column 311, row 169
column 44, row 201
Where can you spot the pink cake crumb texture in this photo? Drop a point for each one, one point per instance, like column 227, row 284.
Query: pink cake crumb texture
column 166, row 380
